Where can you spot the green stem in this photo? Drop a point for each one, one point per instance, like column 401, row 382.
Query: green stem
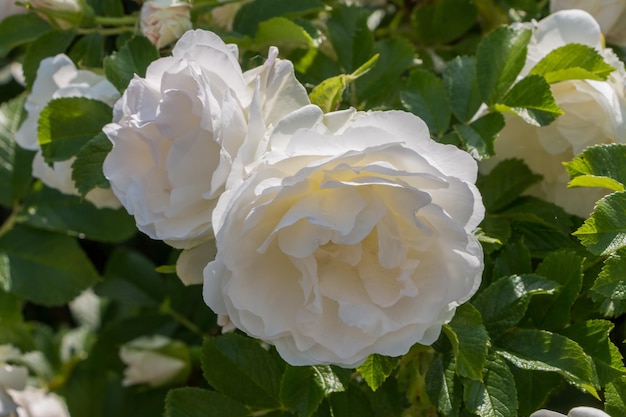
column 182, row 320
column 116, row 21
column 10, row 221
column 106, row 31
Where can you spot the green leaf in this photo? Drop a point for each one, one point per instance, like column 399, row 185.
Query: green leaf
column 351, row 39
column 48, row 44
column 66, row 124
column 469, row 340
column 350, row 403
column 130, row 278
column 240, row 368
column 327, row 95
column 88, row 51
column 45, row 268
column 573, row 61
column 532, row 209
column 197, row 402
column 532, row 100
column 87, row 171
column 132, row 58
column 605, row 231
column 565, row 268
column 251, row 14
column 13, row 329
column 493, row 233
column 513, row 259
column 443, row 21
column 12, row 31
column 599, row 166
column 443, row 386
column 504, row 302
column 478, row 137
column 500, row 57
column 535, row 387
column 279, row 31
column 425, row 96
column 396, row 57
column 459, row 79
column 616, row 398
column 13, row 176
column 593, row 337
column 51, row 210
column 304, row 387
column 376, row 369
column 610, row 286
column 541, row 350
column 505, row 183
column 496, row 395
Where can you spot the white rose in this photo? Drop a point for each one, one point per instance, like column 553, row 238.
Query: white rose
column 574, row 412
column 594, row 113
column 63, row 14
column 58, row 77
column 610, row 14
column 178, row 132
column 351, row 237
column 165, row 21
column 224, row 16
column 147, row 361
column 33, row 402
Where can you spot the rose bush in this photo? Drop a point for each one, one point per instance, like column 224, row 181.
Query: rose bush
column 58, row 77
column 351, row 237
column 594, row 113
column 164, row 21
column 610, row 15
column 180, row 132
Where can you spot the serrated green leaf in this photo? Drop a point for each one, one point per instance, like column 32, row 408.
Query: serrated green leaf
column 132, row 58
column 610, row 287
column 496, row 395
column 48, row 209
column 593, row 337
column 88, row 51
column 534, row 210
column 12, row 174
column 513, row 259
column 376, row 369
column 279, row 31
column 48, row 44
column 573, row 61
column 350, row 403
column 605, row 231
column 459, row 79
column 478, row 137
column 424, row 95
column 12, row 31
column 504, row 302
column 599, row 166
column 532, row 100
column 495, row 228
column 351, row 39
column 535, row 387
column 541, row 350
column 197, row 402
column 240, row 368
column 443, row 21
column 469, row 340
column 616, row 398
column 505, row 183
column 45, row 268
column 303, row 388
column 67, row 124
column 500, row 57
column 87, row 171
column 251, row 14
column 566, row 269
column 327, row 95
column 443, row 386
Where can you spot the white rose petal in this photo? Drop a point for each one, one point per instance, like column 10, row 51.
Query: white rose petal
column 144, row 365
column 13, row 377
column 610, row 15
column 58, row 77
column 165, row 21
column 595, row 113
column 351, row 237
column 33, row 402
column 574, row 412
column 178, row 132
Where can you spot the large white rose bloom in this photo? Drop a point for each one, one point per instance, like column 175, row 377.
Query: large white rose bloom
column 610, row 14
column 58, row 77
column 594, row 114
column 574, row 412
column 179, row 132
column 351, row 237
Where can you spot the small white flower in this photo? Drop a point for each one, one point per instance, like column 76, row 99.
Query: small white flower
column 595, row 113
column 58, row 77
column 165, row 21
column 154, row 360
column 33, row 402
column 610, row 15
column 63, row 14
column 352, row 236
